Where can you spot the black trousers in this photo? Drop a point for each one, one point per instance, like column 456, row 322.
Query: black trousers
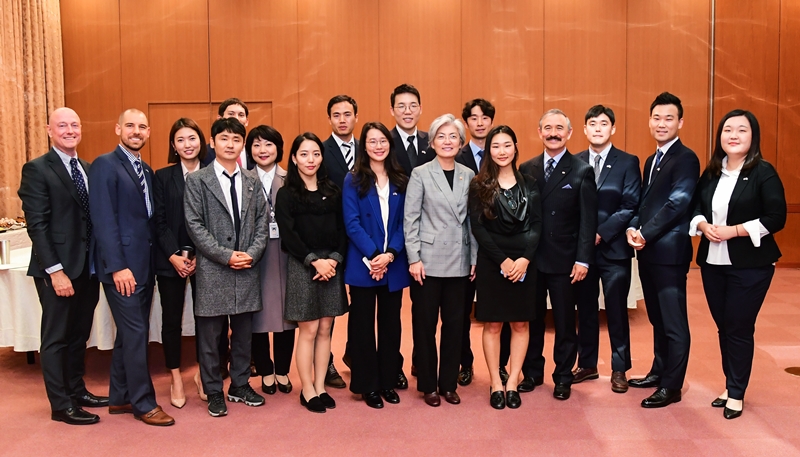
column 209, row 333
column 437, row 368
column 66, row 326
column 130, row 376
column 616, row 278
column 173, row 295
column 467, row 358
column 282, row 347
column 664, row 288
column 563, row 297
column 374, row 367
column 735, row 296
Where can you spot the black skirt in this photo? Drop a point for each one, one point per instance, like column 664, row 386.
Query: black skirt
column 498, row 299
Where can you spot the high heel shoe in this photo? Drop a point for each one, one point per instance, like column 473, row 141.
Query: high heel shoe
column 199, row 385
column 176, row 402
column 729, row 413
column 284, row 388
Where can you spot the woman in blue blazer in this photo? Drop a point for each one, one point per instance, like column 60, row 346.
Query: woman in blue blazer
column 373, row 196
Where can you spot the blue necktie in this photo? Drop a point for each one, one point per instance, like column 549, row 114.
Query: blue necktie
column 549, row 169
column 659, row 156
column 137, row 167
column 83, row 194
column 480, row 158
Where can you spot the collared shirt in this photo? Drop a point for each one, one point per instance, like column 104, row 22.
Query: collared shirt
column 404, row 139
column 352, row 144
column 664, row 151
column 475, row 149
column 133, row 158
column 383, row 199
column 603, row 155
column 65, row 158
column 225, row 184
column 186, row 171
column 266, row 178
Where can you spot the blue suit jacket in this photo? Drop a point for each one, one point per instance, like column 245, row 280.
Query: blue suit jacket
column 366, row 232
column 123, row 232
column 617, row 202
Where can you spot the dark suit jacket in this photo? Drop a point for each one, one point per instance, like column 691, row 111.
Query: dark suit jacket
column 424, row 153
column 466, row 158
column 123, row 232
column 211, row 154
column 334, row 160
column 665, row 207
column 569, row 213
column 171, row 234
column 56, row 220
column 617, row 201
column 758, row 194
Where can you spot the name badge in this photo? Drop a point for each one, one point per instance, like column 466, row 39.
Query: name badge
column 273, row 230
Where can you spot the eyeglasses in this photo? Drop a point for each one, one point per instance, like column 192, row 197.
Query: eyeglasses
column 511, row 202
column 414, row 107
column 452, row 137
column 374, row 142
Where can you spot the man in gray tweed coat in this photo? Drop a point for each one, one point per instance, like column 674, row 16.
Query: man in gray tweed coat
column 226, row 217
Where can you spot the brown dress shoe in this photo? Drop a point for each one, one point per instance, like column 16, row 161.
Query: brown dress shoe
column 120, row 409
column 619, row 383
column 584, row 374
column 432, row 399
column 451, row 397
column 156, row 417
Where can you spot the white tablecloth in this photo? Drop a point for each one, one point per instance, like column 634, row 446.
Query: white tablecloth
column 21, row 312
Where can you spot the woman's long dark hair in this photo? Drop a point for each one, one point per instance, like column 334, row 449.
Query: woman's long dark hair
column 293, row 180
column 485, row 186
column 753, row 155
column 363, row 176
column 173, row 156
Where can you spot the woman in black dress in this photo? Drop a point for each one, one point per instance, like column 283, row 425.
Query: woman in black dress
column 308, row 210
column 505, row 214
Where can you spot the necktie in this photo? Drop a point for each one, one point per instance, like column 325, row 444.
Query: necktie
column 597, row 168
column 83, row 194
column 237, row 224
column 411, row 150
column 137, row 167
column 480, row 158
column 659, row 156
column 348, row 155
column 549, row 169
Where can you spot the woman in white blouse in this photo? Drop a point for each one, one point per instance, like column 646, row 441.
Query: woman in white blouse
column 740, row 205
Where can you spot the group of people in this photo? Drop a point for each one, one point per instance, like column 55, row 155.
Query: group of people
column 268, row 250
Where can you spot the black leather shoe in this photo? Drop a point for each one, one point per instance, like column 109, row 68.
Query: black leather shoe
column 648, row 381
column 432, row 399
column 503, row 375
column 465, row 376
column 332, row 378
column 662, row 397
column 562, row 391
column 347, row 360
column 75, row 416
column 327, row 400
column 89, row 400
column 373, row 400
column 528, row 384
column 269, row 390
column 284, row 388
column 719, row 402
column 402, row 381
column 497, row 400
column 390, row 396
column 731, row 413
column 314, row 404
column 584, row 374
column 513, row 400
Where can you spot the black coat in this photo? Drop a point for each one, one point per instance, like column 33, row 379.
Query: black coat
column 168, row 187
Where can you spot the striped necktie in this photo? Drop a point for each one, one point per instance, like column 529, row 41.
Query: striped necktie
column 549, row 169
column 348, row 155
column 137, row 167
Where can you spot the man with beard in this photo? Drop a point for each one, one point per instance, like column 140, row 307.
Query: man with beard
column 121, row 206
column 566, row 248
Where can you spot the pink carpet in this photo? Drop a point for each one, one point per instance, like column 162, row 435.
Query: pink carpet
column 593, row 422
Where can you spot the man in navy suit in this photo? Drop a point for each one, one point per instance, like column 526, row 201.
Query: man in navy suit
column 618, row 185
column 660, row 234
column 410, row 143
column 121, row 206
column 566, row 248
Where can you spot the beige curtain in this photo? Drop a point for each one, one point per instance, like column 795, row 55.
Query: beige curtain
column 31, row 85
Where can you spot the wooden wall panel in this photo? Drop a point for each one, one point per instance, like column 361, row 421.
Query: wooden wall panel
column 789, row 103
column 668, row 50
column 502, row 53
column 585, row 61
column 92, row 79
column 338, row 54
column 420, row 44
column 253, row 56
column 747, row 37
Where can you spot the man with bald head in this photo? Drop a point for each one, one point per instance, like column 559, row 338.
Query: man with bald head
column 54, row 192
column 121, row 205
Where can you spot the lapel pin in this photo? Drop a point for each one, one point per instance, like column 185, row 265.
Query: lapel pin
column 744, row 179
column 249, row 188
column 658, row 169
column 608, row 166
column 394, row 193
column 563, row 172
column 460, row 178
column 324, row 198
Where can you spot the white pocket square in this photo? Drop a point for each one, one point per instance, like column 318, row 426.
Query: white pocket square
column 567, row 187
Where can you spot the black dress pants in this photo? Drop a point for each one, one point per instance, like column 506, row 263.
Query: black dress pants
column 735, row 296
column 467, row 357
column 437, row 368
column 209, row 333
column 374, row 366
column 283, row 347
column 173, row 296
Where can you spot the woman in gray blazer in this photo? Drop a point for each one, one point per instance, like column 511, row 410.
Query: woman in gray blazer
column 441, row 256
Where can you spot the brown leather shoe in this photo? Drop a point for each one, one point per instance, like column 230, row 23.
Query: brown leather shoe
column 584, row 374
column 451, row 397
column 120, row 409
column 619, row 383
column 156, row 417
column 432, row 399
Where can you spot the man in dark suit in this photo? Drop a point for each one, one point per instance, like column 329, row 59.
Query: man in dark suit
column 55, row 199
column 121, row 204
column 660, row 234
column 411, row 144
column 569, row 225
column 237, row 109
column 618, row 184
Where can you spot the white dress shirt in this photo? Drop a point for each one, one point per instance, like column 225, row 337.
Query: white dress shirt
column 65, row 158
column 352, row 144
column 404, row 139
column 383, row 198
column 664, row 151
column 186, row 171
column 603, row 156
column 266, row 178
column 225, row 183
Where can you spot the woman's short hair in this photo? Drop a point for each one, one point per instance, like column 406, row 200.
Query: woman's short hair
column 447, row 119
column 264, row 132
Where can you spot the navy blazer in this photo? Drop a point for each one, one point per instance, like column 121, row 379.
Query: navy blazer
column 665, row 207
column 466, row 158
column 334, row 161
column 365, row 230
column 123, row 231
column 617, row 201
